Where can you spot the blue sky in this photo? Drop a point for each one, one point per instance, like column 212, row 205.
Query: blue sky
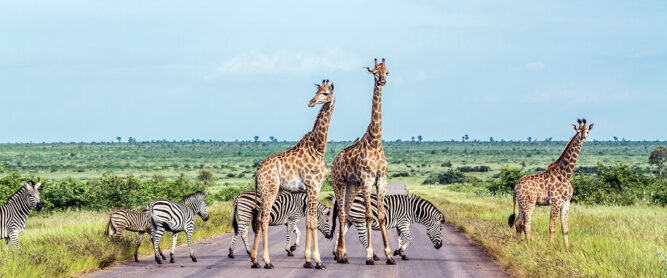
column 95, row 70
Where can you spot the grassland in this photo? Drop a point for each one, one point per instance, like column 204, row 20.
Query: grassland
column 605, row 241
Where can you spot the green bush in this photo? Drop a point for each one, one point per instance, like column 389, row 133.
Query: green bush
column 506, row 180
column 480, row 168
column 228, row 193
column 447, row 177
column 619, row 185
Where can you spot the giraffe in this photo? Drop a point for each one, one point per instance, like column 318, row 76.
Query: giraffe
column 360, row 167
column 299, row 169
column 551, row 187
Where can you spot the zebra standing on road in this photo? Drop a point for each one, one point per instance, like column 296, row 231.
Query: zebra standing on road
column 287, row 210
column 401, row 212
column 126, row 219
column 165, row 215
column 14, row 212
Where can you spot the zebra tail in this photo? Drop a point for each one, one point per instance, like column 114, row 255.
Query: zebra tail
column 106, row 231
column 335, row 216
column 510, row 221
column 235, row 223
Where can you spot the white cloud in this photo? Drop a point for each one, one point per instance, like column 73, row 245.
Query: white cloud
column 532, row 66
column 288, row 62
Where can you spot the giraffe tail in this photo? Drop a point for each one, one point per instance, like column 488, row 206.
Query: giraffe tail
column 255, row 211
column 335, row 217
column 510, row 221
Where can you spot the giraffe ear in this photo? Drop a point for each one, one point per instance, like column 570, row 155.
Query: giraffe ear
column 318, row 86
column 332, row 86
column 590, row 127
column 575, row 128
column 368, row 70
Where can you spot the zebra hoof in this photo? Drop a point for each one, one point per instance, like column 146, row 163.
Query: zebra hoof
column 307, row 265
column 230, row 255
column 375, row 257
column 397, row 253
column 194, row 259
column 391, row 261
column 370, row 262
column 293, row 247
column 342, row 261
column 158, row 261
column 319, row 266
column 163, row 257
column 268, row 266
column 136, row 259
column 290, row 254
column 254, row 265
column 172, row 260
column 405, row 258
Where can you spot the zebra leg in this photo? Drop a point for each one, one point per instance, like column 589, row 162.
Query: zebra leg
column 174, row 237
column 405, row 232
column 118, row 234
column 297, row 232
column 156, row 236
column 140, row 238
column 400, row 241
column 290, row 229
column 192, row 252
column 6, row 243
column 14, row 237
column 231, row 246
column 381, row 186
column 244, row 237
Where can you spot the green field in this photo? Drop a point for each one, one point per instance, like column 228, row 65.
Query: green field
column 606, row 240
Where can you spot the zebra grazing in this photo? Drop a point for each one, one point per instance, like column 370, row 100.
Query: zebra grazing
column 401, row 211
column 126, row 219
column 165, row 215
column 15, row 211
column 287, row 210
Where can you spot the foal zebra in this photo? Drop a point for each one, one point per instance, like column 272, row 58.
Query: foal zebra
column 165, row 215
column 401, row 211
column 288, row 209
column 126, row 219
column 14, row 213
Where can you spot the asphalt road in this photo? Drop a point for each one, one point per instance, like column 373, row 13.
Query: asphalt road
column 458, row 257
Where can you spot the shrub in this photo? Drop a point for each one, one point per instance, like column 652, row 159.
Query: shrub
column 447, row 177
column 228, row 193
column 400, row 174
column 506, row 180
column 480, row 168
column 619, row 185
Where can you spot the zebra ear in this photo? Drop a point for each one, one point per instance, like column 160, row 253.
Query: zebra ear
column 39, row 183
column 27, row 184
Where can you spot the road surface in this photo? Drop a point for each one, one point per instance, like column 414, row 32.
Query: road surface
column 458, row 257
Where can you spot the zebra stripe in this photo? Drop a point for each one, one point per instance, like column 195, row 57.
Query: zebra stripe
column 14, row 212
column 122, row 219
column 401, row 211
column 287, row 210
column 165, row 215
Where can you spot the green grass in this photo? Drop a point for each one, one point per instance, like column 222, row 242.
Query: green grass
column 67, row 243
column 605, row 241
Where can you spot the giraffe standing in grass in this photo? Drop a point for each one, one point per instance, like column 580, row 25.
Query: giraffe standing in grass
column 360, row 167
column 299, row 169
column 551, row 187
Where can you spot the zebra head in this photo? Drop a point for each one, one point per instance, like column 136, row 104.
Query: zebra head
column 32, row 190
column 429, row 216
column 323, row 220
column 196, row 202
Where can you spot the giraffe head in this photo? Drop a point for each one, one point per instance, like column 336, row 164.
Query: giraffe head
column 379, row 72
column 582, row 129
column 324, row 94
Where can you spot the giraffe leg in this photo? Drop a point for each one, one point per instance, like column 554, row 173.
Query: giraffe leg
column 369, row 221
column 311, row 231
column 553, row 216
column 344, row 208
column 527, row 218
column 381, row 186
column 520, row 221
column 564, row 211
column 267, row 203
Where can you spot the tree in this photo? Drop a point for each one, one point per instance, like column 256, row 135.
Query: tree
column 273, row 139
column 256, row 138
column 615, row 139
column 206, row 177
column 413, row 138
column 131, row 140
column 419, row 138
column 464, row 138
column 118, row 138
column 658, row 157
column 530, row 138
column 491, row 139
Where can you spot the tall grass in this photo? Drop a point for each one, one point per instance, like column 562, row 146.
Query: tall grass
column 605, row 241
column 67, row 243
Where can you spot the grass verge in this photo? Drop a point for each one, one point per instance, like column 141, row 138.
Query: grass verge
column 67, row 243
column 605, row 241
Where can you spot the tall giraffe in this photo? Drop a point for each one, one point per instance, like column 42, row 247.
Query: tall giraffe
column 299, row 169
column 551, row 187
column 359, row 167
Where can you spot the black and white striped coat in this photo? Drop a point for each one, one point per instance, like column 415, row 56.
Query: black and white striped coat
column 14, row 212
column 287, row 210
column 401, row 211
column 165, row 215
column 122, row 219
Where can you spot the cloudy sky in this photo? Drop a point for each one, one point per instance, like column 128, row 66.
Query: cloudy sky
column 94, row 70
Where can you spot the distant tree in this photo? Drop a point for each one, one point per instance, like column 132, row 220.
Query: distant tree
column 118, row 138
column 549, row 139
column 273, row 139
column 131, row 140
column 465, row 138
column 530, row 138
column 256, row 138
column 615, row 139
column 491, row 139
column 419, row 138
column 413, row 138
column 206, row 177
column 658, row 157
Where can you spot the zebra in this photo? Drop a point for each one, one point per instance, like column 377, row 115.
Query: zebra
column 288, row 209
column 14, row 212
column 126, row 219
column 165, row 215
column 401, row 211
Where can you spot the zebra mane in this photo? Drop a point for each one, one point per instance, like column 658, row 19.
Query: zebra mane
column 414, row 197
column 15, row 195
column 195, row 195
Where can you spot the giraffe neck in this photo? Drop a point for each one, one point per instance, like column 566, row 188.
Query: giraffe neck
column 318, row 136
column 568, row 159
column 373, row 136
